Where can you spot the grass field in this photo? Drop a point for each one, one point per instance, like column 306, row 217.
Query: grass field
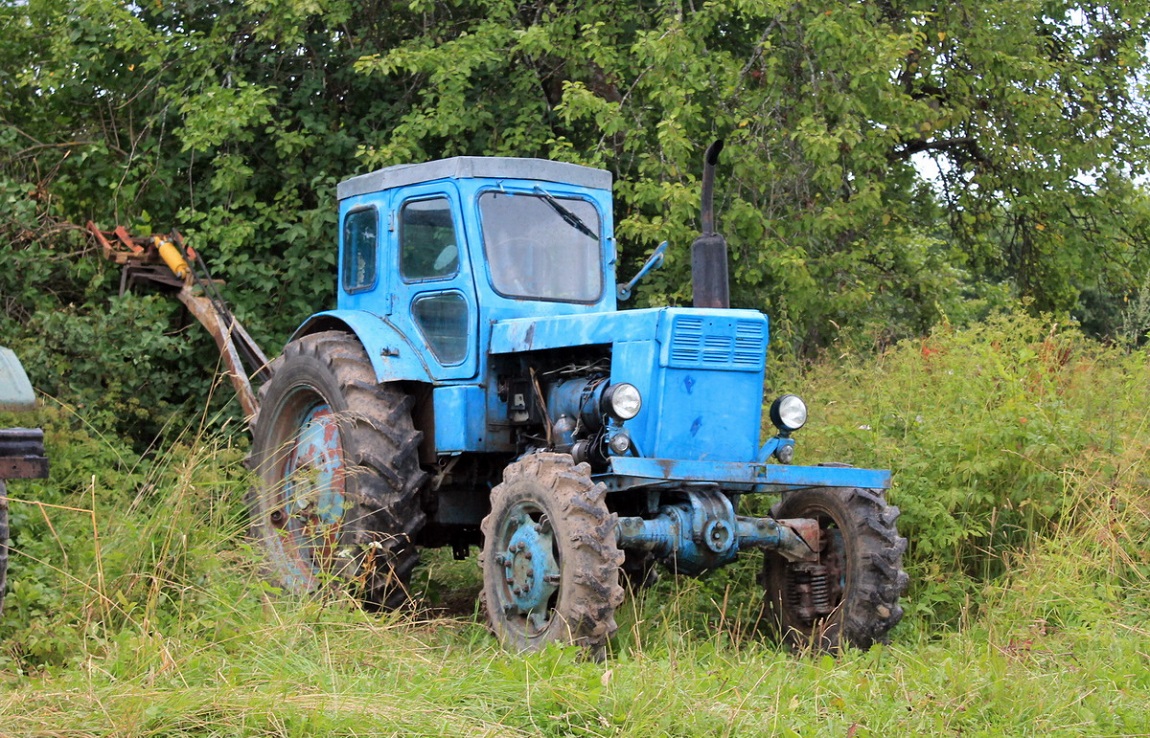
column 302, row 669
column 136, row 606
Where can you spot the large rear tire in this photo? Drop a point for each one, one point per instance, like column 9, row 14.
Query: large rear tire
column 550, row 560
column 850, row 595
column 336, row 454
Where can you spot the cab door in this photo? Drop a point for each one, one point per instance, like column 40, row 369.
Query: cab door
column 435, row 289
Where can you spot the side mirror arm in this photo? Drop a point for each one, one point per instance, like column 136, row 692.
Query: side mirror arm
column 654, row 262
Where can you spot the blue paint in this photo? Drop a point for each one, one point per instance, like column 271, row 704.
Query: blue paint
column 462, row 405
column 628, row 472
column 393, row 355
column 700, row 371
column 525, row 546
column 313, row 501
column 702, row 532
column 316, row 487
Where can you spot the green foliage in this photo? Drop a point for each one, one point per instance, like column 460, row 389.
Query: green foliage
column 112, row 544
column 826, row 109
column 1016, row 447
column 233, row 122
column 136, row 606
column 990, row 432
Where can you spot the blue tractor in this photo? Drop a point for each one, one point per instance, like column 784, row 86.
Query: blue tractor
column 478, row 385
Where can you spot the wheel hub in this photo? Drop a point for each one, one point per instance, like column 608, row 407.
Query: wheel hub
column 531, row 572
column 816, row 589
column 313, row 493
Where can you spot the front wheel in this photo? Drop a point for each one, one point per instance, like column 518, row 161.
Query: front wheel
column 849, row 596
column 550, row 560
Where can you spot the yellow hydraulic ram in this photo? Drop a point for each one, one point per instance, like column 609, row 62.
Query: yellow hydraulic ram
column 172, row 256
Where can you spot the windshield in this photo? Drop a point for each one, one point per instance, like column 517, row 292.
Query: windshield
column 538, row 246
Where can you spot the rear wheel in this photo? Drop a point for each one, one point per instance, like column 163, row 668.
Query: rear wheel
column 550, row 561
column 339, row 478
column 850, row 595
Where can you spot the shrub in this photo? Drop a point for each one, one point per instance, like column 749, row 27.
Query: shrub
column 988, row 431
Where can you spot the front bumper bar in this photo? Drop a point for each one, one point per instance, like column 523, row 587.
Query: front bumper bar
column 733, row 476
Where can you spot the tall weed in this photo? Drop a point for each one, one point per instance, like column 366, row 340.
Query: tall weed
column 1094, row 568
column 989, row 431
column 141, row 612
column 113, row 542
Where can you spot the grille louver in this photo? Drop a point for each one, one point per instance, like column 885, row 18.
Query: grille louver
column 717, row 344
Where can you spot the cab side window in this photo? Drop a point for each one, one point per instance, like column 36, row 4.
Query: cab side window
column 360, row 244
column 428, row 248
column 442, row 319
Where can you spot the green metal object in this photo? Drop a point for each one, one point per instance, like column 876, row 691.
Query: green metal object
column 15, row 390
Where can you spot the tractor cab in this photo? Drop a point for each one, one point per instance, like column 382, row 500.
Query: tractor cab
column 438, row 251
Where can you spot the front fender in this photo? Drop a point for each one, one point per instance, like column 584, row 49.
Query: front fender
column 392, row 355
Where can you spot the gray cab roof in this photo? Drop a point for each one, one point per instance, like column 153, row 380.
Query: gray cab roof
column 464, row 167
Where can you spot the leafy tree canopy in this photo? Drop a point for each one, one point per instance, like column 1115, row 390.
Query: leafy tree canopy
column 234, row 120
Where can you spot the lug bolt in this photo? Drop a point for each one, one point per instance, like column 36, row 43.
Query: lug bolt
column 500, row 559
column 527, row 555
column 510, row 580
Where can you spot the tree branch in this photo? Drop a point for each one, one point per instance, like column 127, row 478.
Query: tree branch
column 967, row 144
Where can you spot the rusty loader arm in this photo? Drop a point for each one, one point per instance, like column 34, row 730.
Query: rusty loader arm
column 166, row 262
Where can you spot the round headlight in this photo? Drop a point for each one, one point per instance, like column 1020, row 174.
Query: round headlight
column 620, row 443
column 622, row 401
column 789, row 413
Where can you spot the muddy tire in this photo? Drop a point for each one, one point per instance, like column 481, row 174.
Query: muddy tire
column 3, row 543
column 337, row 502
column 850, row 595
column 550, row 560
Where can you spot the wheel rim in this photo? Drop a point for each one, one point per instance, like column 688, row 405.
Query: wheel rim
column 527, row 552
column 312, row 502
column 815, row 591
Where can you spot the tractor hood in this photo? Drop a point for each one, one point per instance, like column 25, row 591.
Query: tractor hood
column 700, row 372
column 732, row 339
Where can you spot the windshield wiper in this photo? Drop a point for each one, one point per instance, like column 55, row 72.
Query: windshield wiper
column 568, row 217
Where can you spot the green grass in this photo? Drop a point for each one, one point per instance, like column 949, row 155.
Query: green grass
column 137, row 608
column 292, row 669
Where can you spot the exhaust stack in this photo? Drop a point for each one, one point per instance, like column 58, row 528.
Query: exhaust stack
column 709, row 251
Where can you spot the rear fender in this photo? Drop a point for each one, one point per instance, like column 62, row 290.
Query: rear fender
column 393, row 357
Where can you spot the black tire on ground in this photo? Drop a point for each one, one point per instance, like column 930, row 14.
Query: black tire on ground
column 550, row 560
column 336, row 454
column 3, row 543
column 850, row 596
